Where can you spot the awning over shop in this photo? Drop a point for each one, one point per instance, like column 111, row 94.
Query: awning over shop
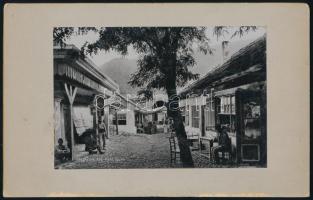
column 155, row 110
column 80, row 71
column 251, row 86
column 65, row 70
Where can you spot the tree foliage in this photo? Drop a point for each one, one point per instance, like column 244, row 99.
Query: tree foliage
column 166, row 55
column 61, row 34
column 219, row 31
column 154, row 44
column 145, row 94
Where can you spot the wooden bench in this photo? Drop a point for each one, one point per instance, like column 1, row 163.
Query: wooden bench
column 207, row 153
column 193, row 137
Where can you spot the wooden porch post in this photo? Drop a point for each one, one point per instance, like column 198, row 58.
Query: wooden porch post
column 71, row 96
column 57, row 120
column 106, row 118
column 96, row 124
column 108, row 121
column 116, row 122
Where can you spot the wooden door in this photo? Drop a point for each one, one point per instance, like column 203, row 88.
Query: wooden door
column 202, row 129
column 251, row 131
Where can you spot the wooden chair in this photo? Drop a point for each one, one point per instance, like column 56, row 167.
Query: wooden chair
column 193, row 138
column 205, row 151
column 174, row 149
column 140, row 130
column 225, row 155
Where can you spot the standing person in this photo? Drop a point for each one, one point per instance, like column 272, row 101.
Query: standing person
column 165, row 126
column 223, row 142
column 102, row 133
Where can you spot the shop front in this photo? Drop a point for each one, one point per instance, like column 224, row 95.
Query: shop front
column 232, row 96
column 77, row 83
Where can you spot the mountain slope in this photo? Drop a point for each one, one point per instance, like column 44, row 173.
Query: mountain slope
column 120, row 69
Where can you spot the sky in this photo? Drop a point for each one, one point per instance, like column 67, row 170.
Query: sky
column 103, row 57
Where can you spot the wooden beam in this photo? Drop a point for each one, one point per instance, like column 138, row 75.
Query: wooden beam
column 67, row 92
column 96, row 124
column 116, row 122
column 71, row 96
column 74, row 94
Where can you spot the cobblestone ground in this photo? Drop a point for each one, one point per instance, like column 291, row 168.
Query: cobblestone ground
column 132, row 151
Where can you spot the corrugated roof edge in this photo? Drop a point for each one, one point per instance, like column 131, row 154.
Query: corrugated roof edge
column 87, row 60
column 219, row 67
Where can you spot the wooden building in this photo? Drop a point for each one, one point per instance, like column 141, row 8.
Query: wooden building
column 77, row 82
column 127, row 115
column 153, row 113
column 234, row 96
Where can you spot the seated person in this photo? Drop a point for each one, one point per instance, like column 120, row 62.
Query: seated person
column 61, row 151
column 140, row 128
column 91, row 143
column 223, row 141
column 139, row 125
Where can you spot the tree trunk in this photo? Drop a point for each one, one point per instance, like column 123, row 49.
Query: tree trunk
column 169, row 68
column 174, row 112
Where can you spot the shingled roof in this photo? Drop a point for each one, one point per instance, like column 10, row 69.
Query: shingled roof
column 251, row 55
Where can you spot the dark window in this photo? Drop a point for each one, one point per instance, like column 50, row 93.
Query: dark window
column 209, row 114
column 195, row 115
column 187, row 116
column 226, row 112
column 121, row 119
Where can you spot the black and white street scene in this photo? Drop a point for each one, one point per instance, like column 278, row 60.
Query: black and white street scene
column 159, row 97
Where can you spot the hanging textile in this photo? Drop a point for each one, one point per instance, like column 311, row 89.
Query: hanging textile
column 82, row 118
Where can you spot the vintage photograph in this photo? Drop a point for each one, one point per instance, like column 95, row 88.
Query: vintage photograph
column 159, row 97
